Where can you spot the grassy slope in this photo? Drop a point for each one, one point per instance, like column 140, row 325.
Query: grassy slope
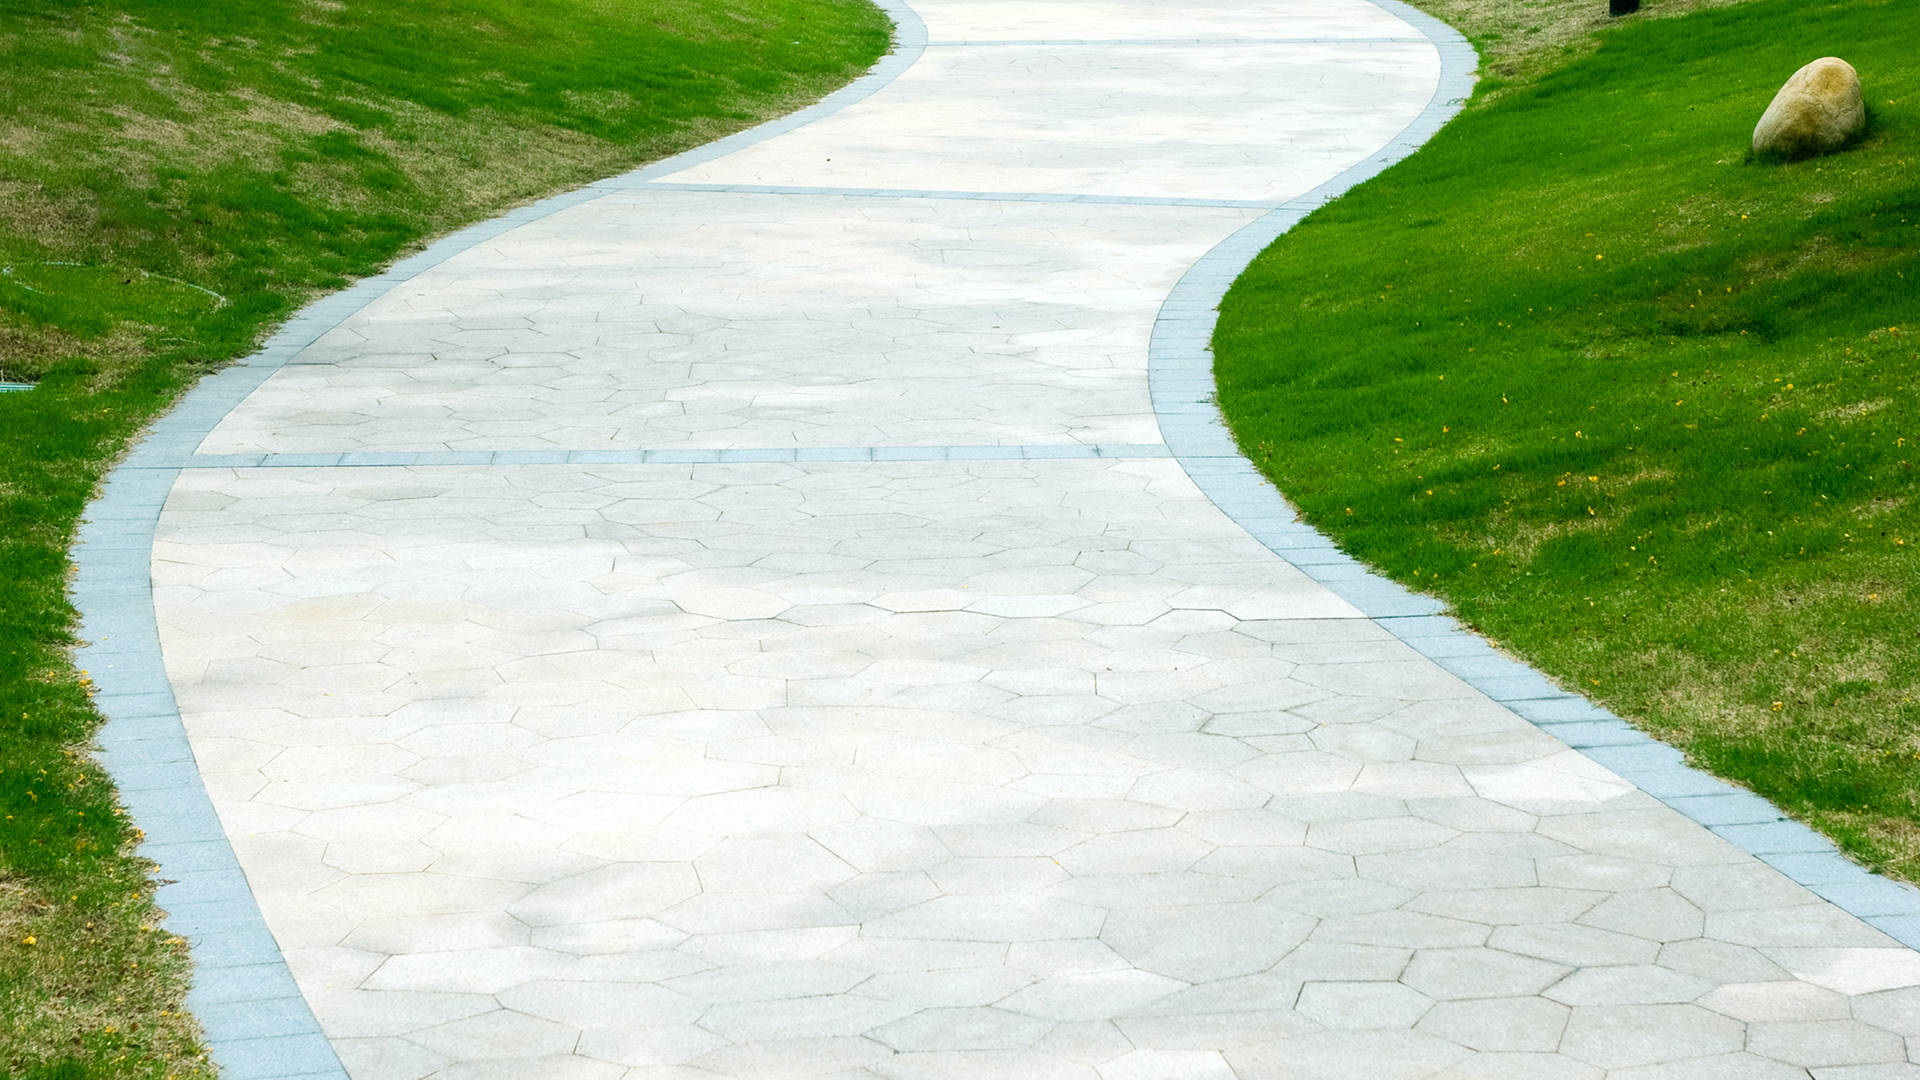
column 174, row 179
column 1640, row 409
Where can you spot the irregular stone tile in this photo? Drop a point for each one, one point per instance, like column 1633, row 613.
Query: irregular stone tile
column 1715, row 1067
column 1187, row 942
column 962, row 1029
column 1362, row 1004
column 1897, row 1011
column 982, row 1065
column 795, row 1057
column 1567, row 943
column 1400, row 929
column 1630, row 984
column 609, row 892
column 1498, row 1025
column 1851, row 970
column 1520, row 1067
column 1780, row 1000
column 990, row 918
column 1660, row 915
column 375, row 1014
column 1091, row 996
column 1474, row 973
column 1158, row 1064
column 1621, row 1036
column 1823, row 1043
column 1349, row 1055
column 499, row 1034
column 1508, row 906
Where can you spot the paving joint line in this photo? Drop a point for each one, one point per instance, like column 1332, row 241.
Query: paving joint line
column 1180, row 381
column 410, row 459
column 1087, row 198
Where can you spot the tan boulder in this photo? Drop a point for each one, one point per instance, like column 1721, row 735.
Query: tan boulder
column 1816, row 112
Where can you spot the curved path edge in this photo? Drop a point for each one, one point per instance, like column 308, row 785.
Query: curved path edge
column 256, row 1023
column 1180, row 372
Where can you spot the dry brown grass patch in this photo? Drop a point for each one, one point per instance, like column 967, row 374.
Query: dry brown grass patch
column 1520, row 38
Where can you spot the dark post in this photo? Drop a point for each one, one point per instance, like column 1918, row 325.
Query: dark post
column 1617, row 8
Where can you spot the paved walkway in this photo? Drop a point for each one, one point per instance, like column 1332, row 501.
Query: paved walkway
column 749, row 623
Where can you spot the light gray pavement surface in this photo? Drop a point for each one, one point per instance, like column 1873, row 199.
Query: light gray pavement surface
column 748, row 623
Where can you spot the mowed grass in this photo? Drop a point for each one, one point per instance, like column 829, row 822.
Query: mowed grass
column 1641, row 409
column 174, row 179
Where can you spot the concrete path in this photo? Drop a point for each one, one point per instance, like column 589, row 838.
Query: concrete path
column 749, row 623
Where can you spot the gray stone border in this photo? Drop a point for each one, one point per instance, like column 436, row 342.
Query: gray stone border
column 1180, row 374
column 257, row 1024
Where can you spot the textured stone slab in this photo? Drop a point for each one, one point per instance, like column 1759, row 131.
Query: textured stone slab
column 1264, row 122
column 702, row 320
column 1101, row 20
column 673, row 765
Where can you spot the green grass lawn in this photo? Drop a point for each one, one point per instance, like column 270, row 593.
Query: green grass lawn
column 175, row 178
column 1641, row 409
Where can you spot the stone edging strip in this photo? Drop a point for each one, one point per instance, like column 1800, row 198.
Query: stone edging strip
column 1181, row 382
column 256, row 1023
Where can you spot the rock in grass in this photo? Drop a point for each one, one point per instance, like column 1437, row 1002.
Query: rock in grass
column 1816, row 112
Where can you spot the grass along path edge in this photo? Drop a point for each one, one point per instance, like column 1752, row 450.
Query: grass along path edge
column 1475, row 373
